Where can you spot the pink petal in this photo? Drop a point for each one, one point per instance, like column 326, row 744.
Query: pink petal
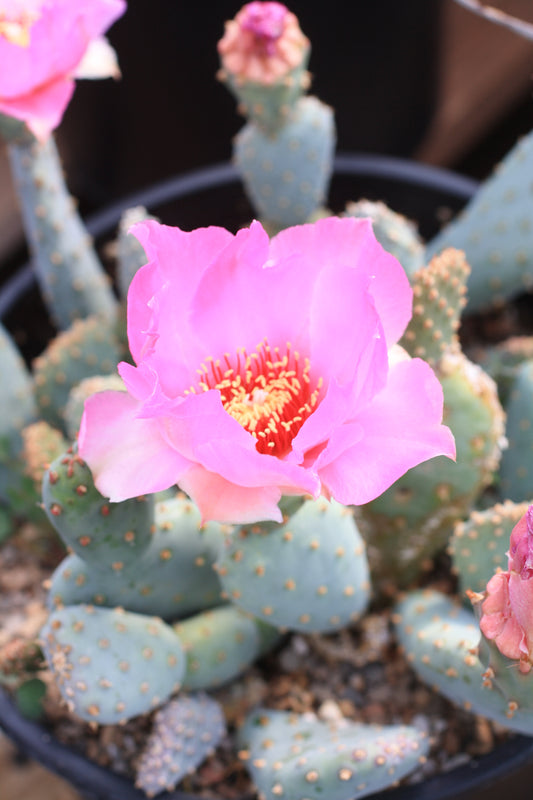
column 203, row 432
column 42, row 109
column 351, row 242
column 160, row 295
column 58, row 39
column 347, row 340
column 402, row 427
column 220, row 500
column 127, row 456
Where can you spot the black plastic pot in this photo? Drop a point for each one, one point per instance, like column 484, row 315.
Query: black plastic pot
column 214, row 196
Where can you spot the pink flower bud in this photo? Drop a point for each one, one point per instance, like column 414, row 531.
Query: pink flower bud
column 263, row 43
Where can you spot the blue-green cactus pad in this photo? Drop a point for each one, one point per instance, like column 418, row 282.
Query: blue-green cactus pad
column 496, row 231
column 172, row 578
column 516, row 468
column 310, row 574
column 441, row 641
column 286, row 174
column 222, row 643
column 291, row 756
column 109, row 664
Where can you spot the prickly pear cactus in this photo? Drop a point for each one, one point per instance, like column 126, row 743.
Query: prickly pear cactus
column 220, row 644
column 439, row 296
column 69, row 272
column 107, row 535
column 516, row 470
column 496, row 232
column 293, row 756
column 441, row 641
column 310, row 574
column 479, row 544
column 18, row 410
column 130, row 252
column 110, row 664
column 286, row 174
column 285, row 151
column 89, row 347
column 168, row 573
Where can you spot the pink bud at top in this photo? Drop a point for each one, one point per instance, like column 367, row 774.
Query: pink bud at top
column 263, row 43
column 507, row 611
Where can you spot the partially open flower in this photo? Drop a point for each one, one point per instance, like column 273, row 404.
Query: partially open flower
column 507, row 610
column 263, row 369
column 44, row 45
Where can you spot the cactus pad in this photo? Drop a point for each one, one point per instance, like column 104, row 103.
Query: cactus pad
column 295, row 757
column 110, row 664
column 309, row 574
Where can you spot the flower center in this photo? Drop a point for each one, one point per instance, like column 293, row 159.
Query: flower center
column 16, row 20
column 269, row 393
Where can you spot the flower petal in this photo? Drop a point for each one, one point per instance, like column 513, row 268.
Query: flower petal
column 221, row 500
column 38, row 83
column 351, row 242
column 402, row 427
column 41, row 109
column 127, row 456
column 202, row 431
column 160, row 295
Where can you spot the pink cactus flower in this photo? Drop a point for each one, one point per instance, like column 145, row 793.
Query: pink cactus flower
column 44, row 45
column 507, row 610
column 262, row 369
column 263, row 43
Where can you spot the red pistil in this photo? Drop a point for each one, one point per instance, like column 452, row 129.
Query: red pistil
column 268, row 393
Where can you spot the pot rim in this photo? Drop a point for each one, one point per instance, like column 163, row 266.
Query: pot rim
column 97, row 781
column 216, row 175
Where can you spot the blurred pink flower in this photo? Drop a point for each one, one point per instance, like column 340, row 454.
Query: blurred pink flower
column 44, row 45
column 507, row 610
column 263, row 369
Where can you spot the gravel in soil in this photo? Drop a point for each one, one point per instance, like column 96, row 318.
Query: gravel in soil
column 357, row 673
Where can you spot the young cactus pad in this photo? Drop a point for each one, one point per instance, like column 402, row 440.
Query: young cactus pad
column 89, row 347
column 441, row 642
column 310, row 574
column 222, row 643
column 186, row 730
column 439, row 296
column 296, row 757
column 479, row 544
column 287, row 174
column 111, row 665
column 107, row 535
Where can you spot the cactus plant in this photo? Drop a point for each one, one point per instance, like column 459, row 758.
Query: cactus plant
column 285, row 151
column 279, row 383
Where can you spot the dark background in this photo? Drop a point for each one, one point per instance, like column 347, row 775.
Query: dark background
column 374, row 62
